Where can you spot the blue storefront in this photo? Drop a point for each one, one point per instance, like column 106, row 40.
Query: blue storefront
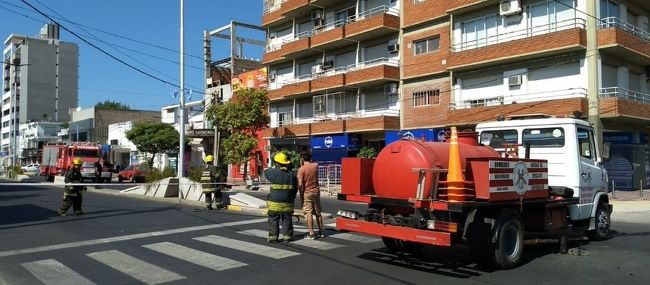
column 329, row 149
column 430, row 135
column 628, row 165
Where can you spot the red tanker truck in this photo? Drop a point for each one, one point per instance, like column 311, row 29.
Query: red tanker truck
column 57, row 156
column 483, row 194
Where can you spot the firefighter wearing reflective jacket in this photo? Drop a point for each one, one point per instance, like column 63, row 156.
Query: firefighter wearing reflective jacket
column 72, row 195
column 209, row 177
column 280, row 200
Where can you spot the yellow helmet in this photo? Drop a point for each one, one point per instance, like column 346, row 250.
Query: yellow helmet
column 77, row 161
column 209, row 158
column 281, row 158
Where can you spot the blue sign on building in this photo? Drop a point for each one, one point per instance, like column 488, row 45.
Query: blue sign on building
column 624, row 138
column 431, row 135
column 345, row 141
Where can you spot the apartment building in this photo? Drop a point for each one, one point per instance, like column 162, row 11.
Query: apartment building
column 432, row 64
column 40, row 83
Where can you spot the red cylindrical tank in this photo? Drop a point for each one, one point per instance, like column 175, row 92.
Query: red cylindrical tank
column 393, row 175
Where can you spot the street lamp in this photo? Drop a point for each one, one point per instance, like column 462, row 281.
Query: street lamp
column 181, row 143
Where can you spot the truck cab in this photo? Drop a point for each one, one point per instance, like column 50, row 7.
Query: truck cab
column 569, row 146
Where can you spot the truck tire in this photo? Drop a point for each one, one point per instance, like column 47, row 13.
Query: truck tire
column 508, row 249
column 603, row 223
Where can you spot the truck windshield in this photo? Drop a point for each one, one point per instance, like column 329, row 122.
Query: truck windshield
column 497, row 139
column 546, row 137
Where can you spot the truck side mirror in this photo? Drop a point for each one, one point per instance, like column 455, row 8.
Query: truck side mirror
column 606, row 149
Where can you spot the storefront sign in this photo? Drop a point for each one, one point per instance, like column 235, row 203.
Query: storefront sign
column 624, row 138
column 430, row 135
column 348, row 141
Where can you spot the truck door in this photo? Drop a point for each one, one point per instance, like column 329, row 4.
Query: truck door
column 591, row 174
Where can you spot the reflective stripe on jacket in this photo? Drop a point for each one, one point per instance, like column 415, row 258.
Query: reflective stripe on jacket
column 283, row 190
column 207, row 179
column 73, row 176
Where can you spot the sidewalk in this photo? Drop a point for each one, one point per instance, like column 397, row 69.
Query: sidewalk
column 630, row 201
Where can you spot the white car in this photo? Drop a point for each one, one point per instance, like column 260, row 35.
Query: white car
column 34, row 167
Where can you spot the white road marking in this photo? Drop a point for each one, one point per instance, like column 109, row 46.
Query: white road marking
column 275, row 253
column 354, row 237
column 197, row 257
column 126, row 237
column 317, row 244
column 50, row 271
column 136, row 268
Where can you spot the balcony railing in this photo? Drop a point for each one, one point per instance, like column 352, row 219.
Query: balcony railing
column 625, row 94
column 271, row 6
column 623, row 25
column 341, row 116
column 337, row 70
column 374, row 11
column 499, row 100
column 519, row 34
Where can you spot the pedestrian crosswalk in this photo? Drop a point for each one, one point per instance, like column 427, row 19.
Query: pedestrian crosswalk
column 201, row 250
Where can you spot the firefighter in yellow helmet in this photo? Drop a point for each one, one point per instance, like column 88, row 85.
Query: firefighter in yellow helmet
column 72, row 195
column 280, row 200
column 213, row 180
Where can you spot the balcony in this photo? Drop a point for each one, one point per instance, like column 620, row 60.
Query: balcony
column 623, row 40
column 298, row 47
column 294, row 130
column 546, row 40
column 271, row 12
column 272, row 56
column 330, row 80
column 372, row 123
column 295, row 8
column 373, row 72
column 329, row 36
column 620, row 102
column 372, row 24
column 297, row 86
column 502, row 100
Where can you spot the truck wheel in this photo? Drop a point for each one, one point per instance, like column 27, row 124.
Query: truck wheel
column 391, row 243
column 509, row 247
column 603, row 224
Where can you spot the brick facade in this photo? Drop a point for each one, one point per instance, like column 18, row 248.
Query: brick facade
column 296, row 130
column 272, row 56
column 427, row 63
column 289, row 90
column 613, row 107
column 328, row 36
column 379, row 123
column 358, row 30
column 542, row 45
column 327, row 82
column 617, row 37
column 105, row 117
column 561, row 107
column 295, row 46
column 328, row 127
column 425, row 116
column 430, row 10
column 271, row 17
column 371, row 75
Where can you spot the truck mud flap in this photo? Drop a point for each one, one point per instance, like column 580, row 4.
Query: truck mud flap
column 396, row 232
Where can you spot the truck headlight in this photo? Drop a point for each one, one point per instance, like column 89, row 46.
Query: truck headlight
column 348, row 214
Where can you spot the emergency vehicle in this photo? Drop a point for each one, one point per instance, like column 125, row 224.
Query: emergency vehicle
column 57, row 156
column 527, row 178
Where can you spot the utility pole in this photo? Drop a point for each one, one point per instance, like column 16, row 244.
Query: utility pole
column 592, row 55
column 181, row 143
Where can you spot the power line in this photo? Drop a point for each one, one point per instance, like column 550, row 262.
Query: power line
column 100, row 30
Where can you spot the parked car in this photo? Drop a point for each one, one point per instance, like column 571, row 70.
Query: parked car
column 34, row 167
column 88, row 171
column 132, row 173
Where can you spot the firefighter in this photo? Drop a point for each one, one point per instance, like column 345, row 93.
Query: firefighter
column 209, row 177
column 280, row 200
column 72, row 195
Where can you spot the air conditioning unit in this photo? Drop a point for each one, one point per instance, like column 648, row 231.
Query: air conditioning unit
column 271, row 76
column 317, row 14
column 393, row 48
column 390, row 89
column 317, row 69
column 509, row 7
column 514, row 80
column 328, row 64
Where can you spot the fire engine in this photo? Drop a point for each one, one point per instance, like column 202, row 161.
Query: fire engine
column 527, row 178
column 57, row 156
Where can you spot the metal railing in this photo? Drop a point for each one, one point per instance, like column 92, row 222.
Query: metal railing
column 329, row 178
column 625, row 94
column 271, row 5
column 519, row 34
column 520, row 98
column 623, row 25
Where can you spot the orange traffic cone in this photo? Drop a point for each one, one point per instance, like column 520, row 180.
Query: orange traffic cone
column 456, row 190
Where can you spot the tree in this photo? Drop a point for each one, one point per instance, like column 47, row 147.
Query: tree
column 154, row 138
column 242, row 116
column 112, row 105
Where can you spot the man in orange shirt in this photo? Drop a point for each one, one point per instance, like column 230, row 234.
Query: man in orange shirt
column 310, row 194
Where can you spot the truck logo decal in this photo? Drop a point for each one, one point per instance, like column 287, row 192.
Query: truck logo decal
column 520, row 178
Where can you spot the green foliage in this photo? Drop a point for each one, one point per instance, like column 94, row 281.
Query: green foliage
column 154, row 174
column 112, row 105
column 65, row 125
column 237, row 148
column 195, row 174
column 246, row 112
column 367, row 152
column 16, row 169
column 154, row 138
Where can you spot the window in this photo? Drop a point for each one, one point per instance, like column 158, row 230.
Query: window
column 418, row 1
column 608, row 8
column 497, row 139
column 547, row 137
column 586, row 144
column 427, row 45
column 427, row 97
column 285, row 119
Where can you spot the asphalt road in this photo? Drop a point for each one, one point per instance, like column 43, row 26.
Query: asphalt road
column 124, row 240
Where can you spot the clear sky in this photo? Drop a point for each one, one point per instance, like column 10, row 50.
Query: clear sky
column 152, row 22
